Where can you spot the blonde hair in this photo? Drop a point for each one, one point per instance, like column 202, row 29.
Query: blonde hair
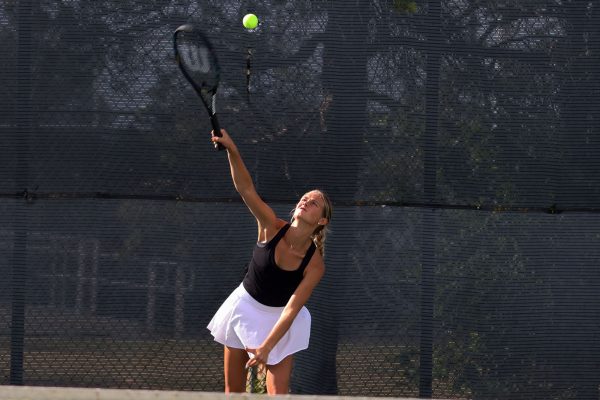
column 320, row 234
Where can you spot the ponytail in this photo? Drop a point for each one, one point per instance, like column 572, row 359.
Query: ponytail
column 319, row 237
column 320, row 234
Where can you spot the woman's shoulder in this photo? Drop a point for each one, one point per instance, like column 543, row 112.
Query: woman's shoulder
column 275, row 225
column 317, row 261
column 267, row 233
column 279, row 223
column 315, row 267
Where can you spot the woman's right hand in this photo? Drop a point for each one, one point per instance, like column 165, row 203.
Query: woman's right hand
column 225, row 140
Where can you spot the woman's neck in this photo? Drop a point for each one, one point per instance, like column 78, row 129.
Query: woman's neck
column 299, row 235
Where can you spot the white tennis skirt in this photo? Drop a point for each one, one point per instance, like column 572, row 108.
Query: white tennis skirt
column 242, row 322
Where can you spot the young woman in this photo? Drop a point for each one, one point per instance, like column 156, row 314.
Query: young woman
column 264, row 320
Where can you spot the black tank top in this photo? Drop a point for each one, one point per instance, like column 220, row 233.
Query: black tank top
column 265, row 281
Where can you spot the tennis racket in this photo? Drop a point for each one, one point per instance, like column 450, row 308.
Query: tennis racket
column 198, row 62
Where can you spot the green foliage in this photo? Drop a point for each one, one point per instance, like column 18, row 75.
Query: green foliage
column 257, row 380
column 405, row 6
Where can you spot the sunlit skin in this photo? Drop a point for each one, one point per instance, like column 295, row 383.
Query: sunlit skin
column 308, row 215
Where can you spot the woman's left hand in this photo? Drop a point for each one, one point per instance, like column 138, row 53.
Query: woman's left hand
column 261, row 355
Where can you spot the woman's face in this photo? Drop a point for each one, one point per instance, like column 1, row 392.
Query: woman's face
column 310, row 207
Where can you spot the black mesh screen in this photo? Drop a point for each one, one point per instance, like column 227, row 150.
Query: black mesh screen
column 458, row 140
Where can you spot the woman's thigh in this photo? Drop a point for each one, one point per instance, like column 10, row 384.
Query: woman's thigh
column 235, row 369
column 278, row 376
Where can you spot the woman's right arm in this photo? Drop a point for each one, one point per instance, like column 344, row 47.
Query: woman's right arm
column 265, row 216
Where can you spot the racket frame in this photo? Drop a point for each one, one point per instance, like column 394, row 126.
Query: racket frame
column 200, row 91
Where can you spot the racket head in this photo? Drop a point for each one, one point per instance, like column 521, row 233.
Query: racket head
column 197, row 61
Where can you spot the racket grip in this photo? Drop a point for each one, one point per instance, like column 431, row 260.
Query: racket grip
column 216, row 130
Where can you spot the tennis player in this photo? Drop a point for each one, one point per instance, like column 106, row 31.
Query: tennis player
column 264, row 320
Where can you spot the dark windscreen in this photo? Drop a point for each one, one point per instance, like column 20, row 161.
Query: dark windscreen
column 459, row 142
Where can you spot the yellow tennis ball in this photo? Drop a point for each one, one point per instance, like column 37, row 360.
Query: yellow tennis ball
column 250, row 21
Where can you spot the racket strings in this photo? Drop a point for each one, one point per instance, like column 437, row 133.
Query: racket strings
column 198, row 62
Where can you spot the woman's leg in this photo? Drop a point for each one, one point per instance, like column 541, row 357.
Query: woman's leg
column 235, row 370
column 278, row 376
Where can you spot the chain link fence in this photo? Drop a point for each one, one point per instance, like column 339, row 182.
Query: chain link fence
column 458, row 140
